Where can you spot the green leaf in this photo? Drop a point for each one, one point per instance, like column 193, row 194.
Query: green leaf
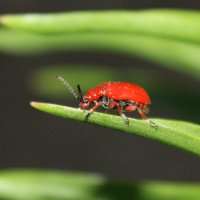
column 58, row 185
column 177, row 24
column 180, row 134
column 176, row 55
column 168, row 37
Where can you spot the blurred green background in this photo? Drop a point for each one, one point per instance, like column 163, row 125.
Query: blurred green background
column 30, row 139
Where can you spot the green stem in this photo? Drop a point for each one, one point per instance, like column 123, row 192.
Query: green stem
column 183, row 135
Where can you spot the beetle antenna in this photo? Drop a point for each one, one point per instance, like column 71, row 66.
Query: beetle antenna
column 68, row 86
column 81, row 99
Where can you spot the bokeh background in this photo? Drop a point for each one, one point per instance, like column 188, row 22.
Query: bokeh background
column 31, row 139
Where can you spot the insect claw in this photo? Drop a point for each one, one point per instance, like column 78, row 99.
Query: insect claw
column 153, row 124
column 87, row 113
column 125, row 119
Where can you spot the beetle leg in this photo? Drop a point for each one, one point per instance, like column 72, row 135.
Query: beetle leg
column 130, row 108
column 105, row 102
column 153, row 124
column 97, row 104
column 121, row 114
column 112, row 104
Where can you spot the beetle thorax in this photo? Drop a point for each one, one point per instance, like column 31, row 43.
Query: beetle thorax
column 93, row 95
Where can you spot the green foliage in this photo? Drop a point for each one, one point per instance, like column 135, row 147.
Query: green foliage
column 57, row 185
column 183, row 135
column 167, row 37
column 175, row 24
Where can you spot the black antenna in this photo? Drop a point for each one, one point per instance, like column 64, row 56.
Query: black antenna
column 81, row 99
column 69, row 87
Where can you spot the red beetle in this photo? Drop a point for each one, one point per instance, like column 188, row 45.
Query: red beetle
column 123, row 96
